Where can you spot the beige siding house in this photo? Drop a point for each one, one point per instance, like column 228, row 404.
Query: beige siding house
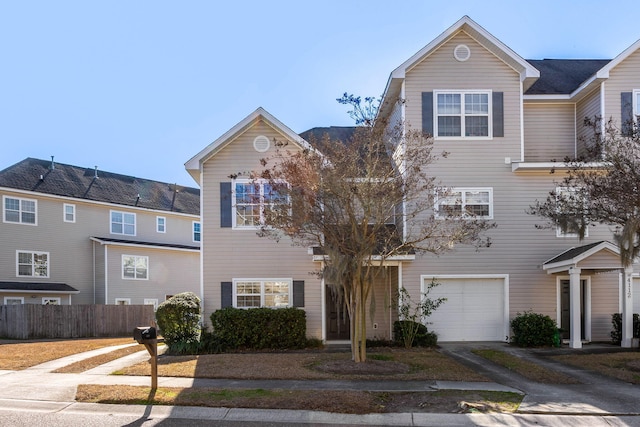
column 504, row 120
column 72, row 235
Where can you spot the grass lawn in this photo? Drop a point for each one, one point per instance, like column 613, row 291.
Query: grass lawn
column 624, row 366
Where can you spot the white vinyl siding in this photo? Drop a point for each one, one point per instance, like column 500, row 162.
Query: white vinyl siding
column 19, row 211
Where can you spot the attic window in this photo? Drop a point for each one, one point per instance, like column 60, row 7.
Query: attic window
column 261, row 143
column 462, row 52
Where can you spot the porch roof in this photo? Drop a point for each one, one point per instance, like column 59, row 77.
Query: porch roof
column 597, row 256
column 37, row 287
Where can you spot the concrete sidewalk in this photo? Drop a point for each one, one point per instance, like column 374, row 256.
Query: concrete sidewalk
column 39, row 389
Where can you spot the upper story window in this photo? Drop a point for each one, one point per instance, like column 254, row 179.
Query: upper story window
column 251, row 200
column 20, row 211
column 196, row 231
column 569, row 225
column 466, row 203
column 135, row 267
column 161, row 224
column 32, row 264
column 462, row 114
column 123, row 223
column 256, row 293
column 69, row 212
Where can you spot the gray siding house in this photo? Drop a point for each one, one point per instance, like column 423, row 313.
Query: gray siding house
column 73, row 235
column 503, row 119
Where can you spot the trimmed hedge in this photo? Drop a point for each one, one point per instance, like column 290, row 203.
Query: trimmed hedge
column 423, row 337
column 179, row 322
column 616, row 333
column 259, row 328
column 533, row 330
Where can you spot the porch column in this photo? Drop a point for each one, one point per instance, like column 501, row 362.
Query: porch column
column 575, row 335
column 627, row 308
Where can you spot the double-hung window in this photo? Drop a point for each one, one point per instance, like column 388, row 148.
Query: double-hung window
column 32, row 264
column 466, row 203
column 20, row 211
column 135, row 267
column 254, row 293
column 463, row 114
column 161, row 224
column 252, row 200
column 69, row 212
column 197, row 232
column 123, row 223
column 572, row 205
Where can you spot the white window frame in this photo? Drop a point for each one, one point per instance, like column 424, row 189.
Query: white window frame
column 20, row 210
column 440, row 200
column 195, row 233
column 123, row 223
column 559, row 231
column 263, row 295
column 161, row 224
column 7, row 299
column 33, row 265
column 46, row 300
column 260, row 203
column 122, row 301
column 462, row 114
column 151, row 301
column 636, row 103
column 135, row 257
column 72, row 207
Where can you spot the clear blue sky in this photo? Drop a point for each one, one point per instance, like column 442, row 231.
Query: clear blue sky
column 139, row 87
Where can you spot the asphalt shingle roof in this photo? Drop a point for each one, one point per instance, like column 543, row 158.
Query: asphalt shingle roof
column 573, row 252
column 157, row 244
column 36, row 286
column 78, row 182
column 563, row 76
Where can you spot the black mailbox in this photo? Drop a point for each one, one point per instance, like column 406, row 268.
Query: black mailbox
column 144, row 333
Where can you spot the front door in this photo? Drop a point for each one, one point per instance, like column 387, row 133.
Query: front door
column 337, row 318
column 565, row 309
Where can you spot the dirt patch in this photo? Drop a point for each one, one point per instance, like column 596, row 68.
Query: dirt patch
column 370, row 367
column 348, row 402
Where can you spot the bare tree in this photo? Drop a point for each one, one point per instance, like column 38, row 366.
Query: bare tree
column 603, row 186
column 359, row 203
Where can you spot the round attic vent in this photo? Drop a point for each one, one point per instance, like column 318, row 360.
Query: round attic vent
column 261, row 143
column 462, row 52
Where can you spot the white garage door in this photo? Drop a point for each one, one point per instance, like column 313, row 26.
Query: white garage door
column 475, row 309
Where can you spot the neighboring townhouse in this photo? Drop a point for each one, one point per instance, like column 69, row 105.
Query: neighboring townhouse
column 73, row 235
column 503, row 119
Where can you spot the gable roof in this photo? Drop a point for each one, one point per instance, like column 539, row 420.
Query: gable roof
column 572, row 256
column 47, row 177
column 194, row 164
column 528, row 73
column 335, row 133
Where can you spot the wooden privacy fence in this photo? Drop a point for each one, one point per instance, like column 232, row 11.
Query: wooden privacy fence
column 29, row 321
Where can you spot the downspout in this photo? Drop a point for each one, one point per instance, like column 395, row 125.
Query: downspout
column 93, row 250
column 106, row 277
column 521, row 122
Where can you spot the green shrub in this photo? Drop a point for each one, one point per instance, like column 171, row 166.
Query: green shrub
column 260, row 328
column 179, row 322
column 421, row 337
column 533, row 330
column 616, row 333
